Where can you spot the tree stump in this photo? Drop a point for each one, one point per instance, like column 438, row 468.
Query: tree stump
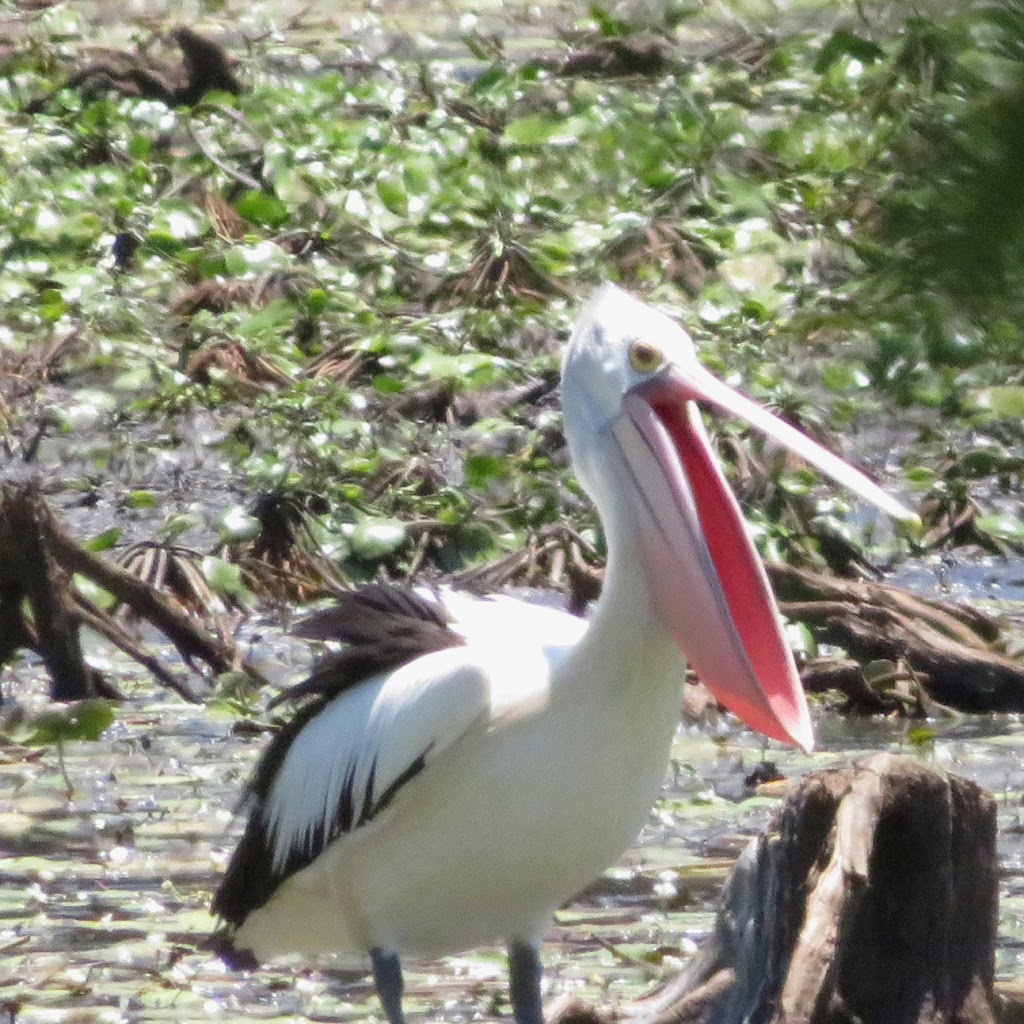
column 874, row 902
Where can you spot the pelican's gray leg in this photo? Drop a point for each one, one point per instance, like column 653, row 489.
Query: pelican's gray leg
column 387, row 977
column 524, row 974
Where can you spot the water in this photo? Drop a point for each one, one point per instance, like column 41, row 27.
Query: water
column 104, row 890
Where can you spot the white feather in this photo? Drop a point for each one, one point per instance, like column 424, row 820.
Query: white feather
column 386, row 723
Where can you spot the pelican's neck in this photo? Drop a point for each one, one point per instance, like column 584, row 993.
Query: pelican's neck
column 626, row 632
column 626, row 595
column 627, row 640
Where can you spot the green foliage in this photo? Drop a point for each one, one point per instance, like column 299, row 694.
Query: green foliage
column 86, row 720
column 832, row 213
column 944, row 246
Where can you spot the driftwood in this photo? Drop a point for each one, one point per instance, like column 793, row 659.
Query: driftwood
column 205, row 67
column 873, row 902
column 37, row 562
column 949, row 649
column 941, row 653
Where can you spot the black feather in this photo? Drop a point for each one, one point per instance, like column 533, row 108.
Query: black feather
column 382, row 627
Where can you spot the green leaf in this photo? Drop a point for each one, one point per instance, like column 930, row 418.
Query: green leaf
column 475, row 542
column 1005, row 401
column 544, row 130
column 385, row 384
column 86, row 720
column 316, row 301
column 751, row 273
column 1002, row 526
column 844, row 377
column 106, row 540
column 484, row 469
column 237, row 525
column 438, row 365
column 176, row 524
column 256, row 258
column 176, row 224
column 374, row 539
column 609, row 25
column 920, row 476
column 141, row 499
column 225, row 578
column 262, row 208
column 393, row 195
column 493, row 76
column 922, row 736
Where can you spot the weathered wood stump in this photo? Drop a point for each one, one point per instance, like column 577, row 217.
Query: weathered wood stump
column 873, row 902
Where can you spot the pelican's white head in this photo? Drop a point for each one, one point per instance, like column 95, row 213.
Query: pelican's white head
column 603, row 361
column 631, row 382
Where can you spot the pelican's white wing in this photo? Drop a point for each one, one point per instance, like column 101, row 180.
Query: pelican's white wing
column 349, row 761
column 342, row 761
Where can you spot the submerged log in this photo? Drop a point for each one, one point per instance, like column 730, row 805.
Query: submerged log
column 874, row 901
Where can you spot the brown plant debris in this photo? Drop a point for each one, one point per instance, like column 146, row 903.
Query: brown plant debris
column 21, row 374
column 227, row 223
column 953, row 522
column 177, row 573
column 230, row 362
column 285, row 560
column 41, row 609
column 340, row 361
column 446, row 402
column 205, row 67
column 500, row 268
column 219, row 296
column 663, row 243
column 620, row 57
column 555, row 556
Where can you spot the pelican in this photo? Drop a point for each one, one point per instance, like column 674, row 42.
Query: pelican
column 462, row 766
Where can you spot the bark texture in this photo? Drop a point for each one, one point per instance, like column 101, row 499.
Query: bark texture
column 873, row 902
column 41, row 608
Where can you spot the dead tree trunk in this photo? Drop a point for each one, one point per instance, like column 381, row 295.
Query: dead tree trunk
column 873, row 903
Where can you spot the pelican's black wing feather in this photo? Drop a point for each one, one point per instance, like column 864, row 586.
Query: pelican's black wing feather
column 382, row 627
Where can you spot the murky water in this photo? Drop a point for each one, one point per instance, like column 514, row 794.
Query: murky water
column 104, row 890
column 104, row 887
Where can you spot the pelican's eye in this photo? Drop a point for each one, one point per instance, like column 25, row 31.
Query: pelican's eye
column 645, row 357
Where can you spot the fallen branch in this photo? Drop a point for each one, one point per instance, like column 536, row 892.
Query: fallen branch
column 37, row 562
column 948, row 646
column 205, row 67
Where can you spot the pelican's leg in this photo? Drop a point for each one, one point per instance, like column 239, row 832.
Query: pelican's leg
column 387, row 977
column 524, row 974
